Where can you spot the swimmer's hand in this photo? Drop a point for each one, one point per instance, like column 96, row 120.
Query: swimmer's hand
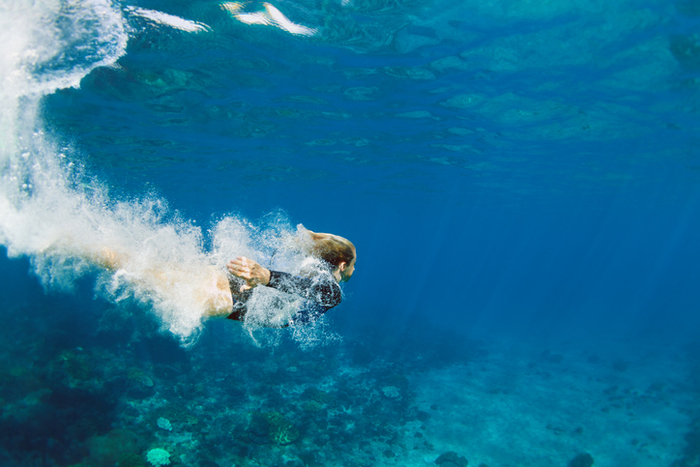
column 250, row 271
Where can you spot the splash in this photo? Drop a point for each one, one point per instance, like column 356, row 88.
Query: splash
column 44, row 50
column 65, row 221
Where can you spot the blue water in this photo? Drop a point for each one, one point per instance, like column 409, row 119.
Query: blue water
column 521, row 181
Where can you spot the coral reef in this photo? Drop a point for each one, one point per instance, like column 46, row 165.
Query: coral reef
column 106, row 450
column 158, row 457
column 349, row 404
column 451, row 459
column 271, row 427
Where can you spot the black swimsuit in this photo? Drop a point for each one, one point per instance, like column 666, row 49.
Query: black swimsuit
column 321, row 292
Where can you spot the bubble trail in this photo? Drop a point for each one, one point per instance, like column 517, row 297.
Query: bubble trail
column 67, row 223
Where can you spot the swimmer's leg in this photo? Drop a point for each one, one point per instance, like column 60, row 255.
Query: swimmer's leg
column 217, row 298
column 105, row 257
column 214, row 294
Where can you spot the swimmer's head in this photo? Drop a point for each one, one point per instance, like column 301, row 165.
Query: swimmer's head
column 337, row 251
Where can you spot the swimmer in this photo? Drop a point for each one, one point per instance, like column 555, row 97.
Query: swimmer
column 320, row 289
column 226, row 294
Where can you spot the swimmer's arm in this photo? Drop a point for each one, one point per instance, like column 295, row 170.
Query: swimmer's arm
column 250, row 271
column 323, row 290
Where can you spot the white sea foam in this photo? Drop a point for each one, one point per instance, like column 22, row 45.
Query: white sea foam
column 65, row 222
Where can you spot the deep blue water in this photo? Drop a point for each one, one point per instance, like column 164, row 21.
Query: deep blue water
column 521, row 181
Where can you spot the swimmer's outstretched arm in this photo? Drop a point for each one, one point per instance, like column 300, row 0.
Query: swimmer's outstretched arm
column 250, row 271
column 324, row 290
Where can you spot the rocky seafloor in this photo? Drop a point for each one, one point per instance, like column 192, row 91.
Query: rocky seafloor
column 115, row 391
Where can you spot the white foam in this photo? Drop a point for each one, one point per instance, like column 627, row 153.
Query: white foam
column 46, row 46
column 62, row 220
column 66, row 222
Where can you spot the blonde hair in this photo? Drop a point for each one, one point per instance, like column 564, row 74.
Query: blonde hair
column 332, row 249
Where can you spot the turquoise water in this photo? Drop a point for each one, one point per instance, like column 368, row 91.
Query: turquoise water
column 521, row 181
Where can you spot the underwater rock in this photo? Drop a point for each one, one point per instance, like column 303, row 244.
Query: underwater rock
column 581, row 460
column 686, row 50
column 17, row 381
column 691, row 451
column 166, row 372
column 422, row 416
column 130, row 459
column 312, row 407
column 322, row 397
column 164, row 417
column 106, row 450
column 392, row 392
column 140, row 391
column 273, row 427
column 309, row 458
column 396, row 379
column 70, row 365
column 451, row 458
column 139, row 375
